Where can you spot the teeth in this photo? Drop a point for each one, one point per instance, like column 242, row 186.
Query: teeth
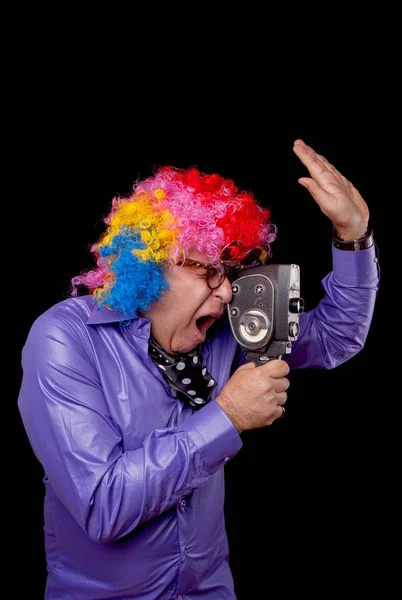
column 214, row 316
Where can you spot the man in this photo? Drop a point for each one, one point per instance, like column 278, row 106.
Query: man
column 133, row 406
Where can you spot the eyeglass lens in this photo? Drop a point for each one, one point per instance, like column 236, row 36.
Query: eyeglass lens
column 216, row 275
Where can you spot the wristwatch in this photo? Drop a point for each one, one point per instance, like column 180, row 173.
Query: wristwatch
column 360, row 243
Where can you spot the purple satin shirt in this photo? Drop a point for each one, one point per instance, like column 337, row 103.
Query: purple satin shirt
column 134, row 478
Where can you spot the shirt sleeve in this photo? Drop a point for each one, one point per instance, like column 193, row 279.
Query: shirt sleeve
column 337, row 328
column 109, row 491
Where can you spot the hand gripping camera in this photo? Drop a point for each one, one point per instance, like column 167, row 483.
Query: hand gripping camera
column 264, row 311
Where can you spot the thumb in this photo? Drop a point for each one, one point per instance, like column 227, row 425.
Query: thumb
column 247, row 366
column 322, row 197
column 305, row 182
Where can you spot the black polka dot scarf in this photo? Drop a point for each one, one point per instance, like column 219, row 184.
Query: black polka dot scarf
column 189, row 380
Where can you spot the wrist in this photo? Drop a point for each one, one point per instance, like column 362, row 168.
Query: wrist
column 227, row 406
column 359, row 243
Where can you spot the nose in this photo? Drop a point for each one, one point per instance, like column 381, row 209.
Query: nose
column 224, row 291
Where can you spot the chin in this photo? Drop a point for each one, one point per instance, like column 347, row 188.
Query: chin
column 186, row 345
column 185, row 348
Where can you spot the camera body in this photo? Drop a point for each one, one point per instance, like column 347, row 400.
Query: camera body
column 264, row 310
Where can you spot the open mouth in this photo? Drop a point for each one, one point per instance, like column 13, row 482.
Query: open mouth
column 204, row 322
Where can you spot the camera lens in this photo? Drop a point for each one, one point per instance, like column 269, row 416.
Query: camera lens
column 252, row 325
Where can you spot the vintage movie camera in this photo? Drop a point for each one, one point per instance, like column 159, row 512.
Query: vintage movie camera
column 264, row 311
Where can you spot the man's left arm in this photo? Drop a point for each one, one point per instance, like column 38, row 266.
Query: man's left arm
column 337, row 329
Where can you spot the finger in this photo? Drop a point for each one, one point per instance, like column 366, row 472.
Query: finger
column 323, row 161
column 321, row 196
column 276, row 368
column 280, row 385
column 280, row 412
column 317, row 165
column 328, row 165
column 310, row 160
column 281, row 398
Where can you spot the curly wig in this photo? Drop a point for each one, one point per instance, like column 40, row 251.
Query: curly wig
column 164, row 217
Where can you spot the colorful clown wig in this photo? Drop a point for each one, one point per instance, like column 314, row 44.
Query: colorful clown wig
column 166, row 216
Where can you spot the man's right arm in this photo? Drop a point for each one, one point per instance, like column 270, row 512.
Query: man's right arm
column 107, row 489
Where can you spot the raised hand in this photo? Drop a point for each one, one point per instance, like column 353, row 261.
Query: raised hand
column 336, row 196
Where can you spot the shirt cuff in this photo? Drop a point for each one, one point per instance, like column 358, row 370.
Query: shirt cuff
column 214, row 434
column 355, row 268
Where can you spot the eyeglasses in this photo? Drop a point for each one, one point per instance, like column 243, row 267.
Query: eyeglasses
column 233, row 254
column 227, row 267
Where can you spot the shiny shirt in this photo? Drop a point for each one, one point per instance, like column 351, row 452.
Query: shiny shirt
column 134, row 478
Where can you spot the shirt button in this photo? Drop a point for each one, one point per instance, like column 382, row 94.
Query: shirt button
column 226, row 458
column 183, row 502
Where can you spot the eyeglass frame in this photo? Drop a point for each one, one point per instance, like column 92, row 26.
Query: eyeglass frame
column 222, row 268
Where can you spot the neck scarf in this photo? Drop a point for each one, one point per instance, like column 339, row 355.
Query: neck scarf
column 188, row 379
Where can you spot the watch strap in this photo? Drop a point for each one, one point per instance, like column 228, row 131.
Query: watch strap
column 361, row 243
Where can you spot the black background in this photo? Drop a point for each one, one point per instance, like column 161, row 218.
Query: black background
column 310, row 501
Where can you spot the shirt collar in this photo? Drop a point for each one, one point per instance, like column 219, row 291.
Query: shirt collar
column 107, row 315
